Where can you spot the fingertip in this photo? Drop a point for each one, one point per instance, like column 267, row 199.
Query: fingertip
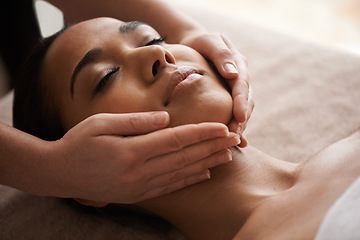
column 215, row 129
column 233, row 126
column 205, row 175
column 230, row 68
column 240, row 110
column 160, row 118
column 244, row 142
column 240, row 116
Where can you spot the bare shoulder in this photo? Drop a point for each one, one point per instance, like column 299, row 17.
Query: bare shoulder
column 298, row 212
column 341, row 159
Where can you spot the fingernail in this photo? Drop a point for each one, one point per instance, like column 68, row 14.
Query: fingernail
column 230, row 68
column 205, row 175
column 234, row 140
column 224, row 157
column 222, row 133
column 160, row 118
column 238, row 141
column 244, row 142
column 227, row 157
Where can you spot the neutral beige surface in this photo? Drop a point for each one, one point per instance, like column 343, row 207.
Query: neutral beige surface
column 306, row 98
column 333, row 23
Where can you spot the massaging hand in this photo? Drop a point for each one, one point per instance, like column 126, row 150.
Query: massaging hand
column 232, row 65
column 97, row 163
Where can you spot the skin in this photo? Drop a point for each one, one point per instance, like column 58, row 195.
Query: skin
column 80, row 156
column 141, row 75
column 179, row 28
column 255, row 196
column 121, row 50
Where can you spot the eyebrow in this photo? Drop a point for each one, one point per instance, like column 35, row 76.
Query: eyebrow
column 127, row 27
column 89, row 58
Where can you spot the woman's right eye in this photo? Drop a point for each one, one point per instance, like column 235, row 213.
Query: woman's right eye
column 104, row 79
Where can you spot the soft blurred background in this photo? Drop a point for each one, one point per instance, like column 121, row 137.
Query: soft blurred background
column 333, row 23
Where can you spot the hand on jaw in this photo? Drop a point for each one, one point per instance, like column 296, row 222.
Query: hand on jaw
column 233, row 67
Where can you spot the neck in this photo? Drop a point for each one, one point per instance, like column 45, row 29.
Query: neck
column 218, row 208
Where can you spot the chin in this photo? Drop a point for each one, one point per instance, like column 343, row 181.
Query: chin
column 214, row 111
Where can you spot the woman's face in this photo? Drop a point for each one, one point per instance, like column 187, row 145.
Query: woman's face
column 105, row 65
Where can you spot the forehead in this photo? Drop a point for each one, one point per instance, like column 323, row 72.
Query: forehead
column 80, row 37
column 67, row 50
column 74, row 43
column 96, row 31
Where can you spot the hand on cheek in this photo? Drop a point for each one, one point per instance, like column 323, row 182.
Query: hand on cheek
column 231, row 65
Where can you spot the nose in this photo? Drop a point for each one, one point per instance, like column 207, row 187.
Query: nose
column 153, row 60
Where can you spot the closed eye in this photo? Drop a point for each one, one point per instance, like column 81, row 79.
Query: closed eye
column 156, row 41
column 104, row 79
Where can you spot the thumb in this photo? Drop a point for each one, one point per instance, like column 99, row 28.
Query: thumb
column 219, row 50
column 131, row 123
column 224, row 60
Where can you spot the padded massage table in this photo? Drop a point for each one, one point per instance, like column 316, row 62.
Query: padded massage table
column 306, row 96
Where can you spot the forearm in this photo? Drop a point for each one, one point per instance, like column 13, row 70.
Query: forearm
column 21, row 164
column 158, row 13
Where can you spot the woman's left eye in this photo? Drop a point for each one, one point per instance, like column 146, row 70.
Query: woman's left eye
column 156, row 41
column 104, row 79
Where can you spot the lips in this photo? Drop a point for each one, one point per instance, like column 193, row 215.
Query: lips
column 180, row 79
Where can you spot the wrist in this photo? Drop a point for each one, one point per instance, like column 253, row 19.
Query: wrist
column 184, row 31
column 24, row 161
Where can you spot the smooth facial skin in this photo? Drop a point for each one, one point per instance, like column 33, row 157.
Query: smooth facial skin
column 106, row 65
column 255, row 196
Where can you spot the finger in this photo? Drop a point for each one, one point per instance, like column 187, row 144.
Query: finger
column 217, row 51
column 192, row 174
column 173, row 139
column 243, row 142
column 233, row 126
column 240, row 94
column 239, row 129
column 129, row 123
column 251, row 104
column 224, row 60
column 240, row 86
column 160, row 190
column 181, row 159
column 213, row 160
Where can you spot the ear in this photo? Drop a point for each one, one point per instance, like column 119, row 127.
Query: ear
column 91, row 203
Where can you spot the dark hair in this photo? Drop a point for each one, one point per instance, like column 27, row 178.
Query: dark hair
column 33, row 111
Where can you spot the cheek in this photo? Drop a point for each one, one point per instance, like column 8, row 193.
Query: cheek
column 185, row 54
column 207, row 106
column 122, row 98
column 116, row 103
column 111, row 103
column 125, row 100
